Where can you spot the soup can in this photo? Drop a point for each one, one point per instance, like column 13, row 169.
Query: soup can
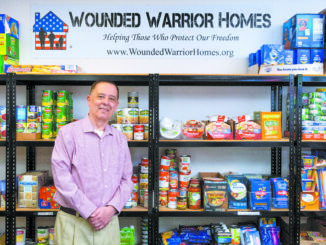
column 163, row 198
column 134, row 179
column 184, row 180
column 144, row 165
column 172, row 199
column 20, row 127
column 133, row 100
column 138, row 132
column 184, row 163
column 165, row 163
column 164, row 180
column 145, row 131
column 143, row 181
column 20, row 236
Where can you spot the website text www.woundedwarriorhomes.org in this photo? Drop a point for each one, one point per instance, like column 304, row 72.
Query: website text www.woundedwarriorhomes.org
column 169, row 52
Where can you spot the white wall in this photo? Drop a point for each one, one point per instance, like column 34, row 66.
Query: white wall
column 176, row 102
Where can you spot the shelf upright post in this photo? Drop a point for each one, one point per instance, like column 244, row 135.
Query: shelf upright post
column 279, row 149
column 30, row 161
column 11, row 159
column 273, row 149
column 298, row 136
column 292, row 191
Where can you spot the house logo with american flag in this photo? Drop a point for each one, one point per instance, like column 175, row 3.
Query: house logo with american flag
column 50, row 32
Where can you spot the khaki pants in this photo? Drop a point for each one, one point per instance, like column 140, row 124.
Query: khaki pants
column 75, row 230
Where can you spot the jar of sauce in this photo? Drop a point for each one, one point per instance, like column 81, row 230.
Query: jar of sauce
column 194, row 197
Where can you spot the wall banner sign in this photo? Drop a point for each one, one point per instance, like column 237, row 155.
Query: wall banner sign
column 118, row 31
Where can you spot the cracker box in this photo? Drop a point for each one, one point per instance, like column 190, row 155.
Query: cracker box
column 260, row 194
column 6, row 61
column 9, row 26
column 272, row 54
column 302, row 56
column 9, row 46
column 237, row 191
column 29, row 184
column 304, row 31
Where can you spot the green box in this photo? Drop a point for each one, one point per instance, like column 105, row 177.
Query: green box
column 9, row 46
column 6, row 60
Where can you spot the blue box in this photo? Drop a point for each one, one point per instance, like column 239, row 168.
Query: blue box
column 316, row 56
column 272, row 54
column 302, row 56
column 252, row 59
column 258, row 57
column 304, row 31
column 260, row 194
column 289, row 56
column 9, row 26
column 237, row 191
column 280, row 188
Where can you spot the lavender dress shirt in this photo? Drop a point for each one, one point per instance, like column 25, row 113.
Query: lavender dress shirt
column 89, row 171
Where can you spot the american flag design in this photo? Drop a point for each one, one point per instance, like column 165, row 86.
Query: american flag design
column 50, row 32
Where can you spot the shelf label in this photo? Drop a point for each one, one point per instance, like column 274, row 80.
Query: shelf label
column 249, row 213
column 45, row 213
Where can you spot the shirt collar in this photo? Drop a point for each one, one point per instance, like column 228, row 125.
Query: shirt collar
column 88, row 127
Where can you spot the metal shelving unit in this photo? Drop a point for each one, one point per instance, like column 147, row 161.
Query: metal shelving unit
column 276, row 83
column 30, row 81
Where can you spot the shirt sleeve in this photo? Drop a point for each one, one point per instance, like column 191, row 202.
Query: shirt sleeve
column 123, row 193
column 68, row 193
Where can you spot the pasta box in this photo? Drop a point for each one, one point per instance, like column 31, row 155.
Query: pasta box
column 260, row 194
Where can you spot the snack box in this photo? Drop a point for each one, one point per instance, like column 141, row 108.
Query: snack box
column 271, row 125
column 308, row 161
column 309, row 200
column 260, row 195
column 46, row 197
column 307, row 174
column 280, row 188
column 7, row 61
column 237, row 191
column 9, row 46
column 41, row 68
column 304, row 31
column 9, row 26
column 29, row 185
column 308, row 185
column 272, row 54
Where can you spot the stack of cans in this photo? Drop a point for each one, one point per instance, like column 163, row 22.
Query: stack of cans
column 2, row 122
column 28, row 119
column 143, row 182
column 314, row 115
column 45, row 235
column 57, row 111
column 144, row 229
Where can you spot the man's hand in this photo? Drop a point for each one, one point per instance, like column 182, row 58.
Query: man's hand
column 101, row 217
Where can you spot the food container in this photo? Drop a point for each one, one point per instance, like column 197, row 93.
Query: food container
column 247, row 130
column 308, row 185
column 193, row 129
column 218, row 131
column 308, row 161
column 170, row 129
column 307, row 174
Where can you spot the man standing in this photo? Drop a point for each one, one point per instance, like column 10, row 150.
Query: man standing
column 92, row 172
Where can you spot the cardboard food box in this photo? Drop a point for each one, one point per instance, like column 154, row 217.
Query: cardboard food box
column 304, row 31
column 2, row 194
column 260, row 196
column 5, row 61
column 214, row 192
column 46, row 198
column 9, row 46
column 29, row 185
column 309, row 200
column 237, row 191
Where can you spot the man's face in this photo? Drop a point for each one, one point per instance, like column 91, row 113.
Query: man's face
column 102, row 102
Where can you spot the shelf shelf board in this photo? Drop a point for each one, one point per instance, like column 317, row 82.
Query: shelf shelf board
column 81, row 79
column 314, row 143
column 222, row 80
column 50, row 143
column 313, row 213
column 225, row 143
column 132, row 212
column 314, row 80
column 167, row 212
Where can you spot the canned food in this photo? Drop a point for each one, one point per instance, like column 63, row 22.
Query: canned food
column 42, row 235
column 2, row 114
column 128, row 131
column 138, row 132
column 119, row 116
column 173, row 164
column 133, row 100
column 47, row 98
column 183, row 192
column 320, row 118
column 145, row 131
column 130, row 116
column 47, row 114
column 314, row 112
column 146, row 199
column 33, row 112
column 62, row 114
column 315, row 101
column 144, row 165
column 141, row 197
column 314, row 107
column 165, row 163
column 21, row 113
column 47, row 131
column 184, row 163
column 134, row 179
column 143, row 181
column 2, row 130
column 306, row 117
column 172, row 199
column 305, row 111
column 134, row 198
column 173, row 179
column 164, row 180
column 63, row 98
column 20, row 127
column 20, row 236
column 33, row 127
column 51, row 235
column 315, row 95
column 235, row 233
column 184, row 179
column 182, row 202
column 143, row 116
column 163, row 198
column 171, row 153
column 119, row 127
